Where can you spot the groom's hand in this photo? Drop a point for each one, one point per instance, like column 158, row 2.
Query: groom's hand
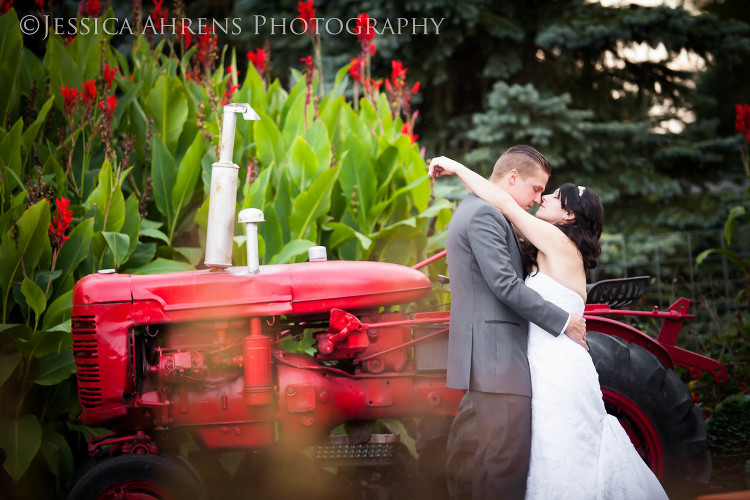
column 576, row 330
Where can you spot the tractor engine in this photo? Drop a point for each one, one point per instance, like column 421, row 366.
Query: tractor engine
column 200, row 350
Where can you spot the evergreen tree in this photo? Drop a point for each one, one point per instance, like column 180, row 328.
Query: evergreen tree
column 557, row 74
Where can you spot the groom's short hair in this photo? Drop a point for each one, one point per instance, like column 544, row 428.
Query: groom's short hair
column 522, row 158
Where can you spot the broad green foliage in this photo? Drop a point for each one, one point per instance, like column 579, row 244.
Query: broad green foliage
column 134, row 161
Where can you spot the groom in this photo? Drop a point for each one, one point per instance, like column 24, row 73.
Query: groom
column 490, row 311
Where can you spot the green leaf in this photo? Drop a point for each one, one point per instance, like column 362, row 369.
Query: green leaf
column 340, row 83
column 164, row 176
column 34, row 297
column 318, row 139
column 291, row 250
column 255, row 196
column 32, row 242
column 735, row 212
column 20, row 438
column 193, row 255
column 62, row 69
column 313, row 204
column 45, row 342
column 152, row 232
column 268, row 146
column 108, row 199
column 118, row 244
column 161, row 265
column 29, row 135
column 256, row 88
column 331, row 116
column 11, row 51
column 142, row 255
column 10, row 152
column 386, row 166
column 357, row 176
column 58, row 310
column 187, row 177
column 132, row 224
column 303, row 164
column 187, row 174
column 271, row 234
column 168, row 106
column 343, row 233
column 53, row 368
column 8, row 364
column 76, row 248
column 378, row 209
column 57, row 453
column 434, row 209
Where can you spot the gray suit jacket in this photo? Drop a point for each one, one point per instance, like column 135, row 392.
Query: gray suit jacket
column 490, row 304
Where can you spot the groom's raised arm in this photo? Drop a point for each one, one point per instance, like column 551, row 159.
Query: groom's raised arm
column 490, row 243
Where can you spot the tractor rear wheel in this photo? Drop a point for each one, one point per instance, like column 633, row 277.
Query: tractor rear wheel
column 137, row 477
column 655, row 408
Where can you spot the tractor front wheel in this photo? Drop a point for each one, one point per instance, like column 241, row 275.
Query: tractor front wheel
column 137, row 477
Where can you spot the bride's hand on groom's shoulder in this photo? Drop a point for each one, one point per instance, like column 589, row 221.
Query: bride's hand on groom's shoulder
column 442, row 165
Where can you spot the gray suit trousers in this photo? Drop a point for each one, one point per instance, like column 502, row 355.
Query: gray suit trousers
column 501, row 463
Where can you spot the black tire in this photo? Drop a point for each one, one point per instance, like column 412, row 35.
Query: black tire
column 629, row 375
column 154, row 475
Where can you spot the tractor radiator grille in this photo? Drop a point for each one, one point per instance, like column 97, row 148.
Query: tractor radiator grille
column 86, row 356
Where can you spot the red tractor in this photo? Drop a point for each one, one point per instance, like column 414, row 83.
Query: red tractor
column 197, row 353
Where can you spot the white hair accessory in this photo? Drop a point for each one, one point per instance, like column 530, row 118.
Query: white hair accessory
column 581, row 189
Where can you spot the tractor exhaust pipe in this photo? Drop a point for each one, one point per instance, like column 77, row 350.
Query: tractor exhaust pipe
column 223, row 194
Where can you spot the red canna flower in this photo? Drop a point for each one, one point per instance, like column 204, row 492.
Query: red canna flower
column 415, row 88
column 61, row 222
column 258, row 59
column 307, row 15
column 231, row 70
column 109, row 108
column 356, row 70
column 227, row 97
column 398, row 74
column 89, row 92
column 5, row 6
column 207, row 47
column 742, row 120
column 39, row 3
column 109, row 75
column 364, row 29
column 373, row 84
column 70, row 97
column 406, row 131
column 93, row 8
column 309, row 72
column 159, row 15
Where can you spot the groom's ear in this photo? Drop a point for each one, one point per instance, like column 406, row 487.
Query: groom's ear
column 513, row 176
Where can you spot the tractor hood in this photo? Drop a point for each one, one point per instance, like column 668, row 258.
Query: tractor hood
column 309, row 288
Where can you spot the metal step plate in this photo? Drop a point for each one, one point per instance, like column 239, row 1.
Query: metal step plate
column 338, row 452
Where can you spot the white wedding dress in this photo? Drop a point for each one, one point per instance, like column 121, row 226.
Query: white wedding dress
column 578, row 451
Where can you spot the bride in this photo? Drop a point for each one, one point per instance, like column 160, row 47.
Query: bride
column 578, row 451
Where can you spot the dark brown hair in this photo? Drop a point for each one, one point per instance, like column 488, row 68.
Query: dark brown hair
column 585, row 230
